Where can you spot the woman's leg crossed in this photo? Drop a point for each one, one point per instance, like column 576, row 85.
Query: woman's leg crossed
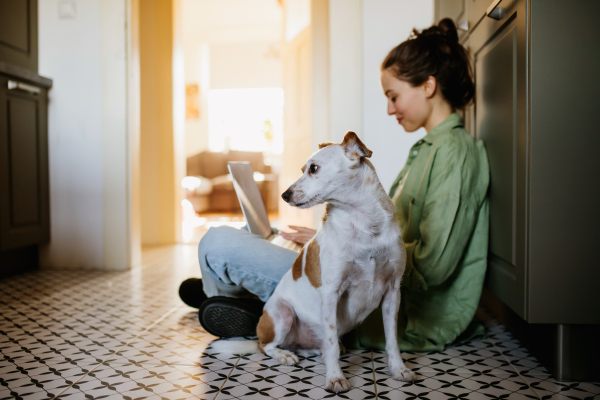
column 237, row 263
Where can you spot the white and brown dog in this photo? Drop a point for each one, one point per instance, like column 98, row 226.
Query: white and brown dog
column 353, row 264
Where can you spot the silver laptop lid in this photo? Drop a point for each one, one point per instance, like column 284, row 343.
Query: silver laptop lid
column 250, row 199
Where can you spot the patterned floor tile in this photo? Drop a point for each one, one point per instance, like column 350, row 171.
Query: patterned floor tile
column 60, row 332
column 352, row 362
column 177, row 339
column 452, row 386
column 548, row 388
column 251, row 382
column 146, row 381
column 473, row 357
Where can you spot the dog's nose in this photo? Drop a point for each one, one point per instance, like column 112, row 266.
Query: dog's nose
column 286, row 195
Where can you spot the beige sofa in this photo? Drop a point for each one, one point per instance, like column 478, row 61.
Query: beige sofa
column 221, row 197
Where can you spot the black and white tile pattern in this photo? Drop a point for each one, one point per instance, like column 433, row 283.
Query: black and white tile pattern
column 126, row 335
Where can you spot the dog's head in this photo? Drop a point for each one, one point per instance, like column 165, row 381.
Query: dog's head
column 327, row 173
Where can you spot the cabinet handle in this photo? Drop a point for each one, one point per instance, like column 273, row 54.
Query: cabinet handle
column 494, row 11
column 12, row 85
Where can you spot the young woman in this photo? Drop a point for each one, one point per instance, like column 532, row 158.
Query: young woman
column 441, row 206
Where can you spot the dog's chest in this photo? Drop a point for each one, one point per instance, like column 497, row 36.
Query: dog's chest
column 363, row 289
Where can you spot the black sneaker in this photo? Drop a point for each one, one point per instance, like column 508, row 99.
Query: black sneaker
column 191, row 292
column 230, row 317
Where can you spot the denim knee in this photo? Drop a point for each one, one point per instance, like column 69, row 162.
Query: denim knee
column 213, row 240
column 216, row 243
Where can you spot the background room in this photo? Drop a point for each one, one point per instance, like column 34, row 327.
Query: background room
column 232, row 52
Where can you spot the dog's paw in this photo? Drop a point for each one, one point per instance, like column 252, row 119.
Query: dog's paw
column 403, row 374
column 285, row 357
column 337, row 385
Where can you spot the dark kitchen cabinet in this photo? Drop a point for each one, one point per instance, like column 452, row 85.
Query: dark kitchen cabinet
column 24, row 190
column 24, row 207
column 535, row 66
column 19, row 33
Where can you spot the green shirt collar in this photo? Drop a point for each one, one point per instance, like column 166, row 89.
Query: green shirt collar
column 453, row 121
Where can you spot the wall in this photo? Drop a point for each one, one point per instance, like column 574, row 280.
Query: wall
column 197, row 71
column 159, row 141
column 245, row 65
column 89, row 131
column 385, row 24
column 345, row 68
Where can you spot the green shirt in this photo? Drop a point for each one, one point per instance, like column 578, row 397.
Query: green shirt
column 442, row 208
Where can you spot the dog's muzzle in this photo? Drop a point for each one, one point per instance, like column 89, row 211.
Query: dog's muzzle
column 287, row 195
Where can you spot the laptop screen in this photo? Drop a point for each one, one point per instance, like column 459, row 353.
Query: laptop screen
column 250, row 199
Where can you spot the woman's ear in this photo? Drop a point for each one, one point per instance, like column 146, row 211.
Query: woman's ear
column 353, row 147
column 430, row 86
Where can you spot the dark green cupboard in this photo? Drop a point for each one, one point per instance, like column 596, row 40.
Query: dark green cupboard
column 535, row 65
column 24, row 175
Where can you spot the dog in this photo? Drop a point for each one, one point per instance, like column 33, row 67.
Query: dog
column 354, row 263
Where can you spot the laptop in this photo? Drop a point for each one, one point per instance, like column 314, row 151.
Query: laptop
column 253, row 206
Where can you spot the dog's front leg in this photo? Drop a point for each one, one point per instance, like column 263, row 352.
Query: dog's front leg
column 390, row 307
column 335, row 380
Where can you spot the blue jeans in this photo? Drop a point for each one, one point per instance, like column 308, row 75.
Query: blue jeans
column 237, row 263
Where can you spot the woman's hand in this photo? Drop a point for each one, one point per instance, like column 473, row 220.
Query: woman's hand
column 301, row 236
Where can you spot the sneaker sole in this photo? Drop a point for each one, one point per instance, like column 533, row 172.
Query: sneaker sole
column 223, row 320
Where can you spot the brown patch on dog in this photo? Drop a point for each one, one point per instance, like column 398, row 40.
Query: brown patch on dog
column 327, row 210
column 369, row 180
column 313, row 264
column 265, row 329
column 352, row 138
column 303, row 168
column 330, row 326
column 297, row 267
column 321, row 145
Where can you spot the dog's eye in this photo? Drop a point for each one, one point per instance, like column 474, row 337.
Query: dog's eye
column 313, row 168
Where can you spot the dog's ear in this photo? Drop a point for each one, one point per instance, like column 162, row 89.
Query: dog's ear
column 352, row 144
column 321, row 145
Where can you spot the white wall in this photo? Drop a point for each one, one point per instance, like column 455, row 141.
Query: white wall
column 345, row 68
column 197, row 71
column 88, row 127
column 385, row 24
column 361, row 34
column 245, row 65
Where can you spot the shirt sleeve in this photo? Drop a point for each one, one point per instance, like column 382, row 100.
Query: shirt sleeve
column 446, row 223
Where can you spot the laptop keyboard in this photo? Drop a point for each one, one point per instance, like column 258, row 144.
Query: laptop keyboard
column 278, row 240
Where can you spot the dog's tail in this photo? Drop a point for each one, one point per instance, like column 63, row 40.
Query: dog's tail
column 236, row 346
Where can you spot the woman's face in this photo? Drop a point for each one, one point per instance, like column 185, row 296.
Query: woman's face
column 407, row 103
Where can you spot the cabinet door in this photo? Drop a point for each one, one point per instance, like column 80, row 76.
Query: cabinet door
column 19, row 33
column 498, row 50
column 24, row 204
column 454, row 9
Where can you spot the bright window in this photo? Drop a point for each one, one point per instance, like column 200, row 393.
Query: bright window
column 246, row 119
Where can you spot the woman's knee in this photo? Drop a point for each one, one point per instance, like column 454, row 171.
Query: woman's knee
column 215, row 239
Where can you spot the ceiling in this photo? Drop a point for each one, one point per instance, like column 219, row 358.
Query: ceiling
column 232, row 20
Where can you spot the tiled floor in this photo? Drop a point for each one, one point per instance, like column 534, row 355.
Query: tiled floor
column 126, row 335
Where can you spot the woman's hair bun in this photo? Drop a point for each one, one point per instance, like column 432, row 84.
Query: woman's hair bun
column 436, row 52
column 445, row 28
